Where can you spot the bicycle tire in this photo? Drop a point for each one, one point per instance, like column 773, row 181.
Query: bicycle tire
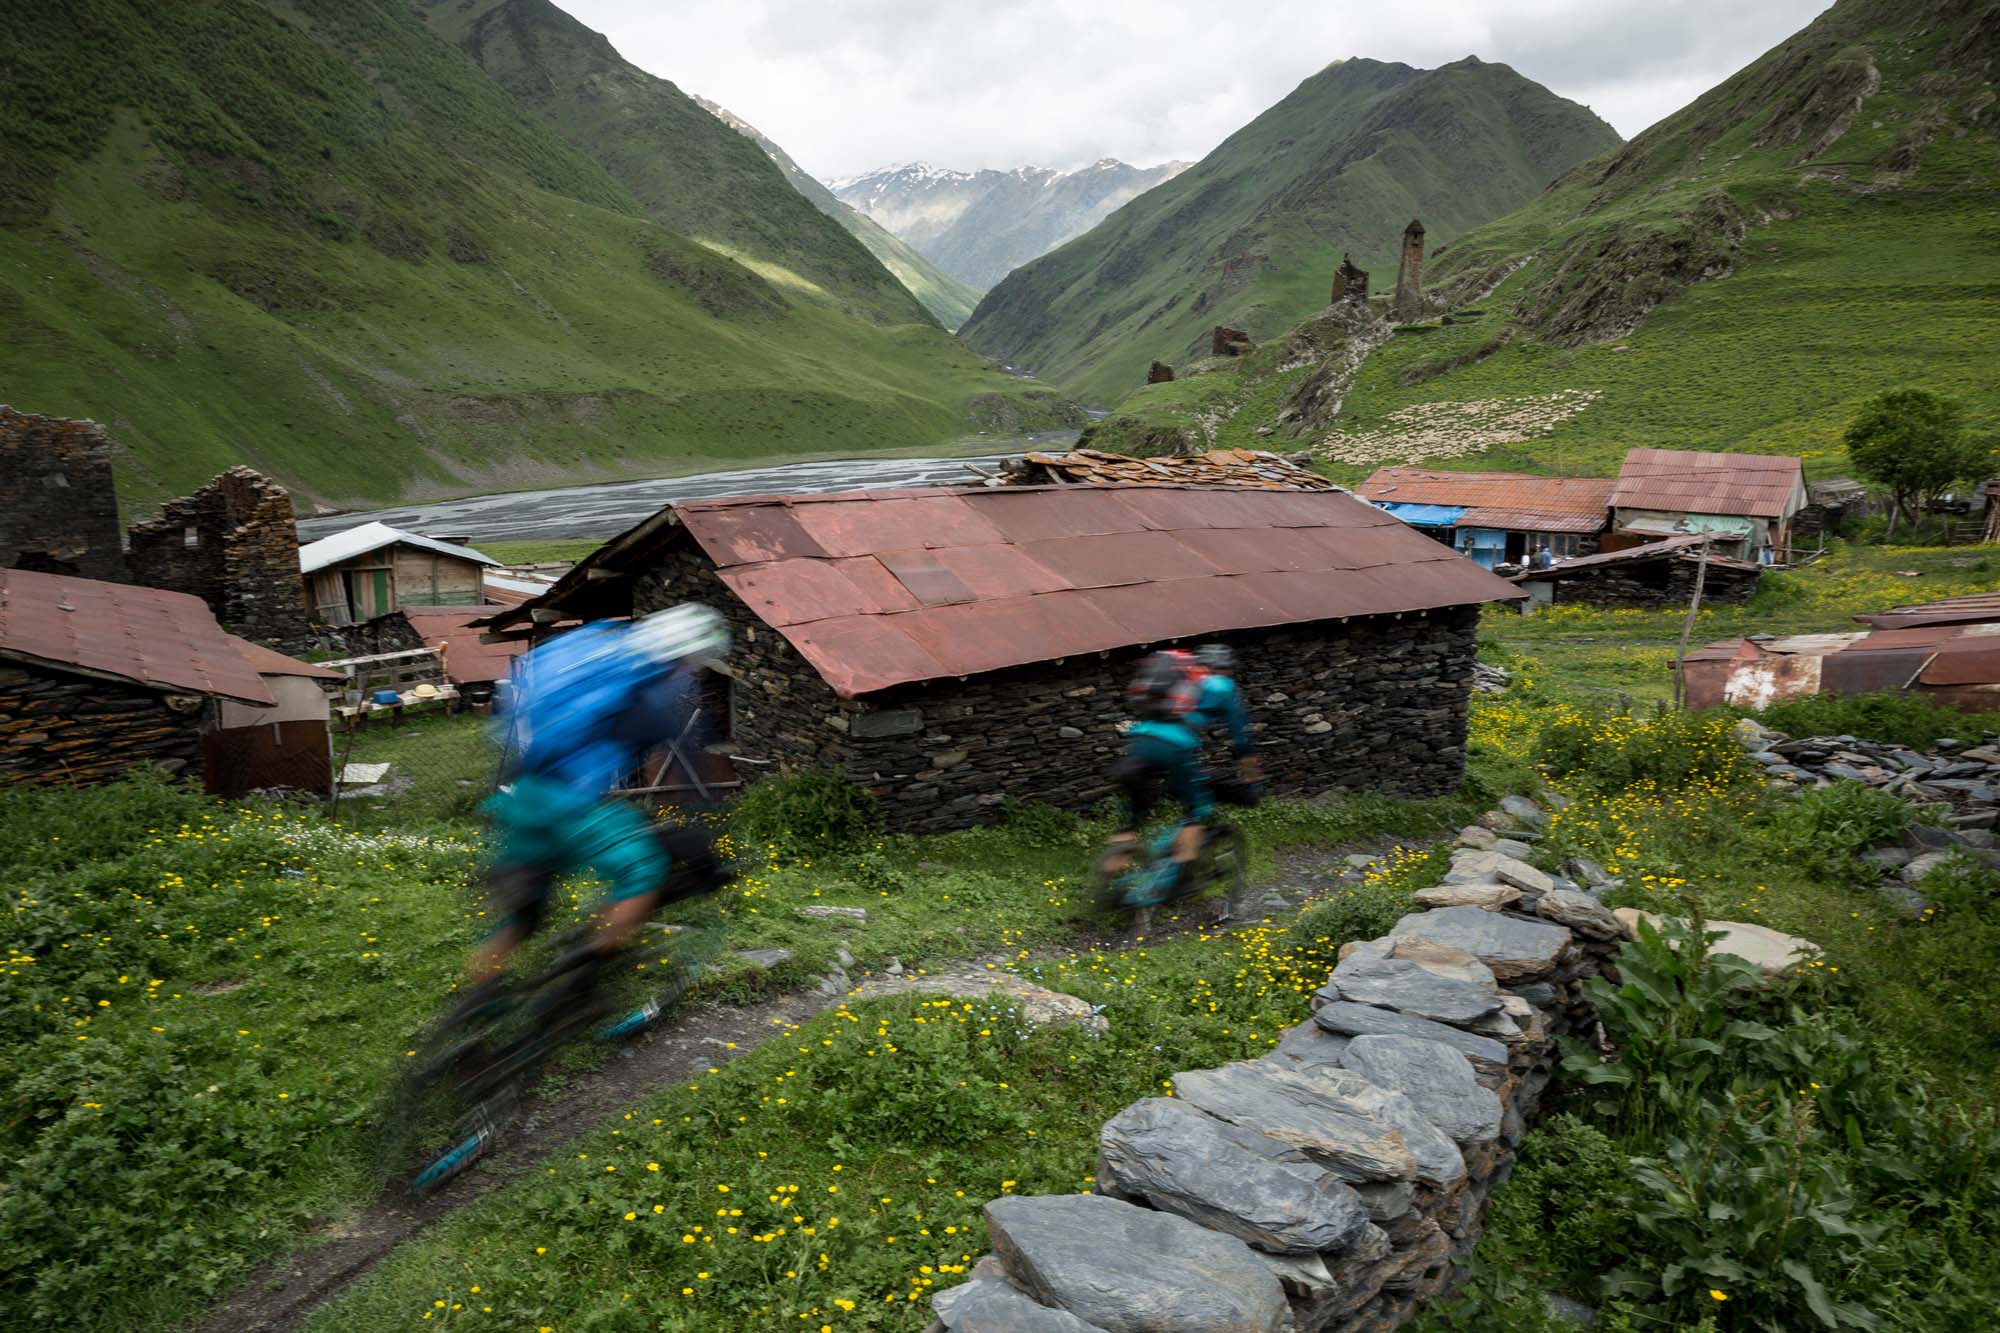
column 1225, row 858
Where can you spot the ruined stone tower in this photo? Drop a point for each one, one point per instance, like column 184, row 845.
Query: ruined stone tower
column 1410, row 273
column 1349, row 283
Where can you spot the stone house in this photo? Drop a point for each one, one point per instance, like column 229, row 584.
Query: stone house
column 58, row 503
column 1750, row 500
column 234, row 543
column 374, row 570
column 1658, row 574
column 1496, row 518
column 952, row 649
column 99, row 678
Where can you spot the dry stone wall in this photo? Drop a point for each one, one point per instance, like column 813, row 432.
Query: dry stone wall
column 70, row 730
column 234, row 544
column 1652, row 587
column 1377, row 703
column 58, row 502
column 1331, row 1184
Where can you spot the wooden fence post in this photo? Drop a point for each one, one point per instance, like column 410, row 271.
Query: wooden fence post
column 1687, row 628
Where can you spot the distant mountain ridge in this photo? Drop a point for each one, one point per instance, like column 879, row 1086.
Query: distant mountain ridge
column 1250, row 235
column 948, row 299
column 979, row 226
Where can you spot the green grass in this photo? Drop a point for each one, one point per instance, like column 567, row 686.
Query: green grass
column 376, row 277
column 1251, row 235
column 561, row 550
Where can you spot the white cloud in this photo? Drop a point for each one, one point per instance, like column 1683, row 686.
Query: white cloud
column 847, row 85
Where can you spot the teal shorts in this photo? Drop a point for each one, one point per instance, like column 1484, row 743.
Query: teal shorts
column 546, row 827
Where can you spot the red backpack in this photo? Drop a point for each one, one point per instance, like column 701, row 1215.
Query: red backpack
column 1167, row 686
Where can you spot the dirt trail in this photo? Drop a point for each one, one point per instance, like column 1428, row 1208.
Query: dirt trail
column 285, row 1293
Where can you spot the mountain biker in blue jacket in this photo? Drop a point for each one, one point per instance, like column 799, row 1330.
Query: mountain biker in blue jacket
column 1220, row 703
column 1163, row 751
column 580, row 714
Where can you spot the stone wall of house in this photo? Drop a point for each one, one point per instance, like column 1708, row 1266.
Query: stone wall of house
column 58, row 503
column 72, row 730
column 1333, row 1183
column 1377, row 703
column 1640, row 585
column 234, row 543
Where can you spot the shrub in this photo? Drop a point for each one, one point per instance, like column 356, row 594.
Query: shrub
column 1828, row 828
column 804, row 812
column 1611, row 750
column 1894, row 719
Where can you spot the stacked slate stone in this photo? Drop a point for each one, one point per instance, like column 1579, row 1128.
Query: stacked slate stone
column 1954, row 787
column 71, row 730
column 1330, row 1184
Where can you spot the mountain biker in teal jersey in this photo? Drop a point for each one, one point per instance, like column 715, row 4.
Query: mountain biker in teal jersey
column 1163, row 750
column 1220, row 703
column 581, row 712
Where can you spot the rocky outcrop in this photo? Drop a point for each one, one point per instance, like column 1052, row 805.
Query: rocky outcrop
column 1159, row 373
column 1225, row 341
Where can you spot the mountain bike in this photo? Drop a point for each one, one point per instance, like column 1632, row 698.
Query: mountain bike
column 1154, row 878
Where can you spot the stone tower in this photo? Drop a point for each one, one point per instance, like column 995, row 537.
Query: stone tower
column 1349, row 283
column 1410, row 273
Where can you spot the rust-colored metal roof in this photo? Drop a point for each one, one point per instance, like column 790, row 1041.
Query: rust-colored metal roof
column 1971, row 609
column 161, row 640
column 468, row 660
column 1670, row 548
column 884, row 588
column 270, row 662
column 1255, row 468
column 1508, row 501
column 1680, row 481
column 1963, row 659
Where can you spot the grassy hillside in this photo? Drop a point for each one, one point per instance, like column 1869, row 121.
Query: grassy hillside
column 948, row 299
column 1250, row 235
column 323, row 242
column 1739, row 277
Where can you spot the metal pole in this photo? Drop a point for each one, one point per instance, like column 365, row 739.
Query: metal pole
column 1687, row 628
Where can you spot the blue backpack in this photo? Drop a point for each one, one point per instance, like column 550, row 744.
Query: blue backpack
column 565, row 700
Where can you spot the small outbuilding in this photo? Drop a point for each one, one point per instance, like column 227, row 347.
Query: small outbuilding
column 285, row 746
column 954, row 649
column 97, row 679
column 374, row 569
column 1658, row 574
column 1496, row 518
column 1750, row 501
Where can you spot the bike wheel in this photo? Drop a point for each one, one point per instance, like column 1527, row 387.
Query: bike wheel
column 1227, row 859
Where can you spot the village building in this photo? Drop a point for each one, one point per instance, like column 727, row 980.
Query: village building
column 234, row 543
column 1749, row 500
column 286, row 746
column 374, row 570
column 98, row 678
column 950, row 650
column 1658, row 574
column 1215, row 467
column 1496, row 518
column 471, row 663
column 58, row 503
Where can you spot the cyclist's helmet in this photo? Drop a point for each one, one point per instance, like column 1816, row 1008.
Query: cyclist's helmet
column 680, row 633
column 1216, row 657
column 1166, row 685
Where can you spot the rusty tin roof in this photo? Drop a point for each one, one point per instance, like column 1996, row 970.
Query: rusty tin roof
column 1681, row 481
column 1971, row 609
column 884, row 588
column 161, row 640
column 1510, row 501
column 270, row 662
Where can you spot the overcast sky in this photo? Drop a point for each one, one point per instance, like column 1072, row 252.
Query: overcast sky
column 849, row 85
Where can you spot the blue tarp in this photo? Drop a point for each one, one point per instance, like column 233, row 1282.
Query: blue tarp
column 1425, row 516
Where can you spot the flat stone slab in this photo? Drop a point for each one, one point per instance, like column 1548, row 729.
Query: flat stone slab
column 1487, row 897
column 858, row 915
column 1296, row 1110
column 1439, row 1162
column 1497, row 866
column 1126, row 1269
column 1409, row 988
column 1439, row 1080
column 1346, row 1019
column 1774, row 952
column 1308, row 1045
column 1516, row 950
column 1581, row 913
column 1525, row 811
column 1164, row 1153
column 764, row 958
column 995, row 1305
column 1039, row 1005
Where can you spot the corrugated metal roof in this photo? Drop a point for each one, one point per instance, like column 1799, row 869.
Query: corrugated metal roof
column 161, row 640
column 344, row 546
column 1971, row 609
column 467, row 660
column 1510, row 501
column 1682, row 481
column 885, row 588
column 270, row 662
column 1682, row 547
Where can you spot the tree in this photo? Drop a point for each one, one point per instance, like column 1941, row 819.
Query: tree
column 1913, row 441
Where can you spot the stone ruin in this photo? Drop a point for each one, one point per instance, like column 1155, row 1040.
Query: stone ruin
column 1226, row 341
column 1349, row 283
column 1410, row 272
column 58, row 504
column 233, row 543
column 1159, row 373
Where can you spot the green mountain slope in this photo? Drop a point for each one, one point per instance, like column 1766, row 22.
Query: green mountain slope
column 1739, row 277
column 949, row 300
column 321, row 240
column 1251, row 234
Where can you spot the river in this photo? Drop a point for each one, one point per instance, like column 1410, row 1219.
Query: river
column 608, row 508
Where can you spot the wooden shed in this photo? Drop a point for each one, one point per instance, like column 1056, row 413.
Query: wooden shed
column 375, row 569
column 284, row 746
